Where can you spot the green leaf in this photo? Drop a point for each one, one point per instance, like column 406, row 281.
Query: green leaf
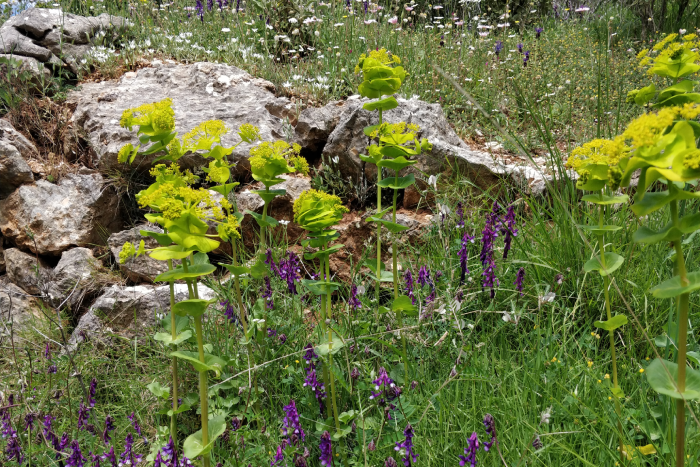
column 659, row 380
column 679, row 100
column 236, row 270
column 403, row 303
column 397, row 183
column 672, row 287
column 327, row 251
column 600, row 230
column 369, row 129
column 193, row 307
column 392, row 227
column 319, row 287
column 617, row 392
column 645, row 94
column 387, row 103
column 170, row 252
column 211, row 362
column 670, row 232
column 194, row 446
column 605, row 199
column 167, row 338
column 683, row 87
column 162, row 238
column 397, row 163
column 269, row 195
column 612, row 262
column 345, row 417
column 267, row 222
column 259, row 269
column 611, row 324
column 344, row 431
column 158, row 390
column 180, row 408
column 325, row 348
column 196, row 270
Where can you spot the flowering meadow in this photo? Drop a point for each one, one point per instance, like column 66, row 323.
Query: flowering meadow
column 512, row 329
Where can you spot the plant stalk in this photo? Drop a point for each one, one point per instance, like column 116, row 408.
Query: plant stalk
column 394, row 255
column 173, row 334
column 379, row 236
column 203, row 388
column 682, row 342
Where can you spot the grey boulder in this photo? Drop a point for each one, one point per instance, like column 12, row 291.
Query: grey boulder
column 53, row 37
column 26, row 271
column 74, row 277
column 14, row 170
column 17, row 309
column 347, row 141
column 70, row 213
column 200, row 91
column 130, row 311
column 141, row 269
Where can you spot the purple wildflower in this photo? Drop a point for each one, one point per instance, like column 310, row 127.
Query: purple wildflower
column 460, row 215
column 93, row 391
column 290, row 271
column 282, row 338
column 470, row 451
column 326, row 449
column 110, row 456
column 279, row 457
column 199, row 8
column 97, row 459
column 52, row 370
column 408, row 278
column 382, row 383
column 538, row 32
column 499, row 47
column 489, row 234
column 424, row 276
column 170, row 453
column 315, row 385
column 210, row 4
column 266, row 290
column 47, row 352
column 519, row 277
column 509, row 230
column 354, row 374
column 228, row 311
column 490, row 425
column 464, row 255
column 238, row 4
column 270, row 261
column 271, row 332
column 537, row 443
column 109, row 426
column 526, row 58
column 407, row 444
column 291, row 420
column 13, row 450
column 76, row 459
column 83, row 416
column 128, row 454
column 354, row 302
column 310, row 354
column 136, row 426
column 520, row 48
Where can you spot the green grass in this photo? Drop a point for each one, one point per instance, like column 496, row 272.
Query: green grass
column 552, row 358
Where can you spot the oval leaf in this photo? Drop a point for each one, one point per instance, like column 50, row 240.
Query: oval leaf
column 193, row 307
column 612, row 263
column 605, row 199
column 673, row 288
column 194, row 447
column 167, row 338
column 659, row 380
column 236, row 270
column 196, row 270
column 387, row 103
column 612, row 324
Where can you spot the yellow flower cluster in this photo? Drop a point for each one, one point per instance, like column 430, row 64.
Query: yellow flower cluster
column 669, row 49
column 266, row 152
column 395, row 129
column 300, row 164
column 665, row 41
column 127, row 252
column 229, row 229
column 124, row 153
column 646, row 129
column 162, row 171
column 382, row 56
column 158, row 114
column 598, row 151
column 249, row 133
column 211, row 131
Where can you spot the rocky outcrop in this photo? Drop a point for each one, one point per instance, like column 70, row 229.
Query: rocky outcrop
column 201, row 91
column 70, row 213
column 17, row 308
column 14, row 170
column 130, row 310
column 143, row 268
column 347, row 141
column 52, row 37
column 9, row 135
column 2, row 257
column 26, row 272
column 73, row 277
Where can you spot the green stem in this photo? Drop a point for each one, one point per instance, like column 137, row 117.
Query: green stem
column 203, row 388
column 262, row 227
column 379, row 236
column 611, row 334
column 682, row 341
column 173, row 334
column 330, row 353
column 324, row 327
column 394, row 255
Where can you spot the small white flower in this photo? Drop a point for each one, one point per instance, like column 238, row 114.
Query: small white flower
column 225, row 30
column 295, row 32
column 283, row 222
column 293, row 20
column 316, row 33
column 432, row 181
column 546, row 415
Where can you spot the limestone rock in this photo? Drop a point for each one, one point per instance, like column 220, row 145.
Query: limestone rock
column 24, row 271
column 2, row 258
column 144, row 268
column 38, row 73
column 131, row 310
column 347, row 141
column 16, row 307
column 70, row 213
column 14, row 170
column 315, row 125
column 52, row 36
column 200, row 91
column 9, row 135
column 73, row 277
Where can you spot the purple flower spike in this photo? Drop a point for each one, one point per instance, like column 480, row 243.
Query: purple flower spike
column 109, row 426
column 526, row 58
column 266, row 290
column 509, row 230
column 519, row 278
column 408, row 278
column 538, row 32
column 424, row 276
column 76, row 458
column 270, row 261
column 326, row 449
column 354, row 302
column 470, row 451
column 93, row 391
column 490, row 425
column 279, row 457
column 382, row 383
column 289, row 270
column 291, row 421
column 83, row 416
column 407, row 444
